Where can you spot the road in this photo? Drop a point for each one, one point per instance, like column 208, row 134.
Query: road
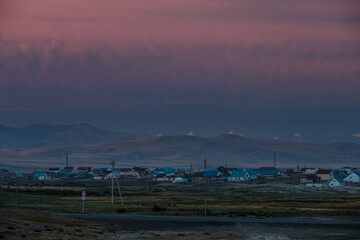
column 171, row 222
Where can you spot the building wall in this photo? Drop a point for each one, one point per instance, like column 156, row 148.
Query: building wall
column 325, row 177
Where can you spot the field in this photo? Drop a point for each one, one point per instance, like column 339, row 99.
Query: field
column 256, row 199
column 30, row 214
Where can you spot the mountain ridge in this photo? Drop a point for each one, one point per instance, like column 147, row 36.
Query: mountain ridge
column 182, row 150
column 40, row 135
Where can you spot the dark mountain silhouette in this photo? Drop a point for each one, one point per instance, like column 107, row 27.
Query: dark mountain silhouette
column 40, row 135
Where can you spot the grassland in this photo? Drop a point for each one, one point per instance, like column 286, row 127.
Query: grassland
column 224, row 199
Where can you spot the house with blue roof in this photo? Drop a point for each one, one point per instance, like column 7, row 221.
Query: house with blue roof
column 353, row 178
column 164, row 171
column 268, row 171
column 336, row 182
column 242, row 175
column 340, row 174
column 212, row 174
column 3, row 170
column 41, row 176
column 19, row 175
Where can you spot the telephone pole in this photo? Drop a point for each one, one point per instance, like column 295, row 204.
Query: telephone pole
column 274, row 165
column 205, row 203
column 112, row 185
column 67, row 159
column 112, row 182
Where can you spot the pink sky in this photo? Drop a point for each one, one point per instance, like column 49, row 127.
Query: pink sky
column 301, row 51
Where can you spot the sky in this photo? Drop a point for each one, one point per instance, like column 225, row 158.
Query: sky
column 274, row 69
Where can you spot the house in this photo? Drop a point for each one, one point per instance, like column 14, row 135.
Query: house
column 268, row 171
column 41, row 176
column 224, row 171
column 340, row 174
column 83, row 170
column 178, row 179
column 165, row 171
column 308, row 171
column 336, row 182
column 136, row 174
column 2, row 170
column 348, row 170
column 142, row 171
column 162, row 178
column 116, row 174
column 313, row 178
column 67, row 170
column 212, row 174
column 19, row 175
column 126, row 172
column 324, row 174
column 197, row 177
column 314, row 185
column 98, row 177
column 54, row 170
column 242, row 175
column 353, row 178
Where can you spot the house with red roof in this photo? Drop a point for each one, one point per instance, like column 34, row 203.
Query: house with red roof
column 126, row 172
column 83, row 169
column 325, row 174
column 54, row 170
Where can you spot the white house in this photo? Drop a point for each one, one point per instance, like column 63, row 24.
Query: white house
column 336, row 182
column 353, row 177
column 309, row 171
column 178, row 179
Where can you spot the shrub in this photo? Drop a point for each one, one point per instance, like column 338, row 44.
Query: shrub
column 157, row 208
column 121, row 210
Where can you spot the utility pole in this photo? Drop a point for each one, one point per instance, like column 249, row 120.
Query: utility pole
column 117, row 182
column 274, row 165
column 112, row 182
column 17, row 189
column 112, row 185
column 205, row 203
column 67, row 159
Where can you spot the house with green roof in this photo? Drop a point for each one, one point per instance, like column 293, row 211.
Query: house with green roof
column 242, row 175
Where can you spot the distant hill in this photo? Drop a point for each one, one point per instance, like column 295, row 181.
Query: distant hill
column 40, row 135
column 181, row 151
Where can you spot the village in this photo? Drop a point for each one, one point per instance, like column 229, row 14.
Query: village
column 311, row 177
